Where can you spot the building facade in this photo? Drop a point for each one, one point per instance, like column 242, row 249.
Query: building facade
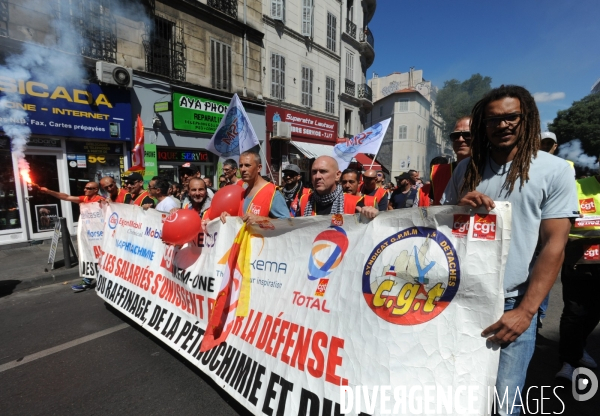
column 414, row 136
column 83, row 70
column 315, row 59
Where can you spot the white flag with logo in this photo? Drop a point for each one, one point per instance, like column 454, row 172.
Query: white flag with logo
column 235, row 133
column 368, row 141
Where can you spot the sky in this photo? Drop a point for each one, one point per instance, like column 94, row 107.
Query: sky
column 550, row 47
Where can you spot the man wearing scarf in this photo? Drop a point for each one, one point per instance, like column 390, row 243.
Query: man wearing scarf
column 293, row 189
column 328, row 196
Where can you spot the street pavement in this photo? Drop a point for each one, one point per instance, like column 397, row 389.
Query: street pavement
column 65, row 353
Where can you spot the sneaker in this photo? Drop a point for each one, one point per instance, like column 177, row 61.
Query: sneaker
column 80, row 288
column 566, row 372
column 587, row 360
column 88, row 281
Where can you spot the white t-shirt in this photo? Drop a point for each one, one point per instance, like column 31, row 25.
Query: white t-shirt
column 167, row 205
column 550, row 193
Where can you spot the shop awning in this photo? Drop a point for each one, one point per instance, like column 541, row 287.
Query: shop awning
column 366, row 162
column 313, row 150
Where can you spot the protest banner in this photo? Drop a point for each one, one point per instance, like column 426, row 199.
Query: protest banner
column 337, row 308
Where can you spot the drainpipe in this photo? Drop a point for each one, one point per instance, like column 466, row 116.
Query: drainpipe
column 342, row 121
column 244, row 51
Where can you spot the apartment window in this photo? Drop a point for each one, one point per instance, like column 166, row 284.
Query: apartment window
column 307, row 18
column 403, row 132
column 330, row 95
column 278, row 10
column 349, row 65
column 403, row 106
column 165, row 49
column 220, row 56
column 331, row 31
column 307, row 86
column 277, row 76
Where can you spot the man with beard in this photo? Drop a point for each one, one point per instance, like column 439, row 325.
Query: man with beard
column 261, row 200
column 505, row 165
column 328, row 196
column 404, row 196
column 115, row 194
column 292, row 189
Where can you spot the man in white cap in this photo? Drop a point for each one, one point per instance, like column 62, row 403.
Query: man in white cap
column 549, row 142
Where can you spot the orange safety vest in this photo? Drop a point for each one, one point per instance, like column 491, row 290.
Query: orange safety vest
column 121, row 196
column 440, row 176
column 139, row 199
column 294, row 204
column 350, row 202
column 373, row 201
column 424, row 195
column 261, row 202
column 85, row 199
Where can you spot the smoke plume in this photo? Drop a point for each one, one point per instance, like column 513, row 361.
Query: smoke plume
column 574, row 152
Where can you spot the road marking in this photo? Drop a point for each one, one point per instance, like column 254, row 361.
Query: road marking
column 59, row 348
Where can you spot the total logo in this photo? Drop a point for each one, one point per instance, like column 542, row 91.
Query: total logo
column 411, row 276
column 113, row 220
column 327, row 252
column 592, row 252
column 587, row 206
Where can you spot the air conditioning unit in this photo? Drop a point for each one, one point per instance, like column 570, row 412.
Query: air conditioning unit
column 114, row 74
column 282, row 130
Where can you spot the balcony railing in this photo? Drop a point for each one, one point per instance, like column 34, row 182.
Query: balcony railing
column 367, row 36
column 229, row 7
column 350, row 87
column 364, row 91
column 351, row 28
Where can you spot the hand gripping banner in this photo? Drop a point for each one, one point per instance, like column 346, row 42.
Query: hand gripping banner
column 335, row 316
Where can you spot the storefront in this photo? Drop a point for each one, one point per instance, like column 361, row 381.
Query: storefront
column 77, row 133
column 310, row 137
column 181, row 122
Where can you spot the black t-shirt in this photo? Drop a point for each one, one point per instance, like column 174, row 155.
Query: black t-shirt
column 318, row 209
column 147, row 200
column 400, row 199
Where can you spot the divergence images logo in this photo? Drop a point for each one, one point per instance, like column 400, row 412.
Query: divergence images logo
column 113, row 220
column 327, row 252
column 411, row 276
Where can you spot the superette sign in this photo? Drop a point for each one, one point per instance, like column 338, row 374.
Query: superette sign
column 198, row 114
column 303, row 125
column 91, row 111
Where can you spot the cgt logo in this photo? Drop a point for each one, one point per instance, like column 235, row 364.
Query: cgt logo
column 113, row 220
column 592, row 252
column 484, row 227
column 460, row 226
column 587, row 206
column 327, row 252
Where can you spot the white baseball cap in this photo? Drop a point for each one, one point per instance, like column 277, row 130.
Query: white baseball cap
column 549, row 135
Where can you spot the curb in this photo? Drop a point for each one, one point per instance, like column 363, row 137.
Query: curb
column 11, row 286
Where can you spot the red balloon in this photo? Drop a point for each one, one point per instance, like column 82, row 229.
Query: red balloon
column 181, row 227
column 226, row 199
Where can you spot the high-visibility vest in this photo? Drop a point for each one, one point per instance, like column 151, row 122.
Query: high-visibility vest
column 588, row 194
column 261, row 202
column 296, row 201
column 424, row 200
column 373, row 200
column 350, row 202
column 86, row 199
column 138, row 201
column 440, row 176
column 121, row 196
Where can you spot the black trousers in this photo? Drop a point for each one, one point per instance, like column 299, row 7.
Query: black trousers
column 581, row 310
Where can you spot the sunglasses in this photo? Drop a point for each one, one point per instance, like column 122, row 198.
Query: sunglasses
column 90, row 189
column 510, row 119
column 455, row 135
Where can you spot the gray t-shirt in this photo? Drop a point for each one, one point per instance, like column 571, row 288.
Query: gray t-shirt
column 550, row 193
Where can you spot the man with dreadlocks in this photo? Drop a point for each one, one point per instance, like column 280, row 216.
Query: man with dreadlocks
column 328, row 196
column 505, row 165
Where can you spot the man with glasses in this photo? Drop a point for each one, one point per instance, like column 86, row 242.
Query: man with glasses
column 115, row 194
column 90, row 194
column 137, row 195
column 230, row 169
column 380, row 179
column 373, row 195
column 159, row 190
column 293, row 188
column 506, row 165
column 461, row 144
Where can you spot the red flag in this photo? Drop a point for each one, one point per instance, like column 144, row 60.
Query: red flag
column 137, row 156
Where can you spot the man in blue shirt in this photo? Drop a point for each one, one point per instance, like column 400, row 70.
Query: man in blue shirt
column 505, row 165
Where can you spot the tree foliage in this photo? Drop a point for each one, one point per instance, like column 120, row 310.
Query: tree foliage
column 456, row 99
column 580, row 121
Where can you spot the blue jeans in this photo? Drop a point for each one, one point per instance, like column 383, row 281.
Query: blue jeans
column 514, row 360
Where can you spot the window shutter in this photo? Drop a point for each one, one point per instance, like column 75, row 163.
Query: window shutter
column 307, row 18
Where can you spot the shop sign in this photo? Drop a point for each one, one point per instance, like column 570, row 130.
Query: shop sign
column 166, row 155
column 90, row 111
column 303, row 125
column 197, row 114
column 150, row 162
column 96, row 148
column 43, row 142
column 162, row 107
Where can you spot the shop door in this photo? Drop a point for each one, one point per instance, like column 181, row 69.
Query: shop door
column 43, row 210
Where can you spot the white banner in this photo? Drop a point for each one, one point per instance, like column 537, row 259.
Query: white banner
column 391, row 309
